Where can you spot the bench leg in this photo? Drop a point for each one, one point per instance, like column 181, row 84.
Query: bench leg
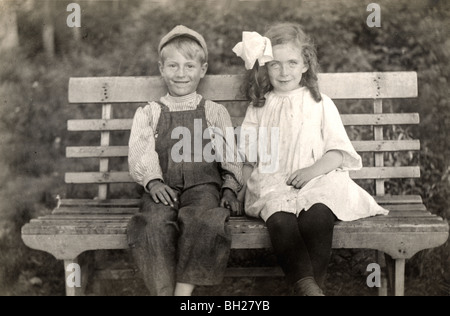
column 383, row 290
column 396, row 275
column 399, row 277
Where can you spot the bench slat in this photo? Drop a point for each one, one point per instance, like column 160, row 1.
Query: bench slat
column 122, row 218
column 99, row 125
column 368, row 85
column 96, row 152
column 360, row 146
column 112, row 203
column 386, row 145
column 386, row 173
column 399, row 199
column 395, row 210
column 250, row 228
column 366, row 119
column 237, row 224
column 124, row 177
column 96, row 125
column 380, row 119
column 95, row 210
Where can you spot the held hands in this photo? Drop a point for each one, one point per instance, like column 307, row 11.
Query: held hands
column 301, row 177
column 162, row 193
column 230, row 201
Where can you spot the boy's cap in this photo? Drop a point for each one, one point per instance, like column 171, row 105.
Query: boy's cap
column 181, row 30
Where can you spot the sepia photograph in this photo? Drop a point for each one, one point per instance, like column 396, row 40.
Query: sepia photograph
column 241, row 150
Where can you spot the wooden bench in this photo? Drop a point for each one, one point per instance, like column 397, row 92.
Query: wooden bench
column 80, row 225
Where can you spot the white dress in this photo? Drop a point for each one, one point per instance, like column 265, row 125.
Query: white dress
column 307, row 130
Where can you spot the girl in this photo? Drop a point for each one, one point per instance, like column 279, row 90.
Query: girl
column 310, row 189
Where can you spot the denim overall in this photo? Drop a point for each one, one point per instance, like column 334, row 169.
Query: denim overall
column 188, row 243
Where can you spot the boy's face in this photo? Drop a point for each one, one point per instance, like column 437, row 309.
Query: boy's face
column 287, row 68
column 181, row 75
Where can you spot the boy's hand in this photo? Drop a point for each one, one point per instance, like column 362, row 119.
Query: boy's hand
column 230, row 201
column 162, row 193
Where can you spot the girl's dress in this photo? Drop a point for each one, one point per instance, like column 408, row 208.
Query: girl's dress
column 306, row 131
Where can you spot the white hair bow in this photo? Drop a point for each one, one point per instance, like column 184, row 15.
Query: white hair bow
column 252, row 48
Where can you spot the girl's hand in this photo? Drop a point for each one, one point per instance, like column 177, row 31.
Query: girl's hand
column 301, row 177
column 241, row 194
column 241, row 198
column 230, row 201
column 162, row 193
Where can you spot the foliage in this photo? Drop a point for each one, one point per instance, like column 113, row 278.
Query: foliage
column 122, row 39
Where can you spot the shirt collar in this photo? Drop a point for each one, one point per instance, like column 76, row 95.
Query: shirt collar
column 189, row 98
column 290, row 93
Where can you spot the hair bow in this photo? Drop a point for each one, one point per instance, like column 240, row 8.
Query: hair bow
column 252, row 48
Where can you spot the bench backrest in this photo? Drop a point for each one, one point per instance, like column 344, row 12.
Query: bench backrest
column 376, row 86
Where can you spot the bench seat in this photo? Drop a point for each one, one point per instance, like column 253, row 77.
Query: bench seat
column 401, row 234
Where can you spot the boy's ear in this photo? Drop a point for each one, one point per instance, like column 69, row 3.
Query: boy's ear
column 204, row 70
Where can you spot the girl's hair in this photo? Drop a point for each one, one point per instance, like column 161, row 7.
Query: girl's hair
column 187, row 47
column 258, row 84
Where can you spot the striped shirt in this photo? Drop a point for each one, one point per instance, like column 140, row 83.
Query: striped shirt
column 143, row 159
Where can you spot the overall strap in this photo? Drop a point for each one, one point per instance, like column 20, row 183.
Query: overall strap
column 164, row 108
column 201, row 104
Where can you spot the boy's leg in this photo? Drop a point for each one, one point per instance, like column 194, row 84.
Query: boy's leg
column 152, row 236
column 184, row 289
column 204, row 243
column 316, row 227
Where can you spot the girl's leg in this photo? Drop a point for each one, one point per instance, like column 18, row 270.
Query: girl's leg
column 289, row 247
column 316, row 227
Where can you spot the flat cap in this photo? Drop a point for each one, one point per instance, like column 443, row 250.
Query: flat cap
column 181, row 30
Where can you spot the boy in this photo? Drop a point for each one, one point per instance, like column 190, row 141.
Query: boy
column 179, row 238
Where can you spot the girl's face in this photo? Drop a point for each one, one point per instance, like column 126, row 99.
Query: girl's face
column 181, row 75
column 287, row 67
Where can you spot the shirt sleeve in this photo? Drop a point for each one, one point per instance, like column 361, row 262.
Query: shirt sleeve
column 143, row 160
column 248, row 139
column 336, row 138
column 223, row 136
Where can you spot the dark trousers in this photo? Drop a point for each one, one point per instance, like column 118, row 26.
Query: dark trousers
column 189, row 243
column 303, row 244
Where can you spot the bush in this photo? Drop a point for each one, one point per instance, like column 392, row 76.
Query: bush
column 123, row 40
